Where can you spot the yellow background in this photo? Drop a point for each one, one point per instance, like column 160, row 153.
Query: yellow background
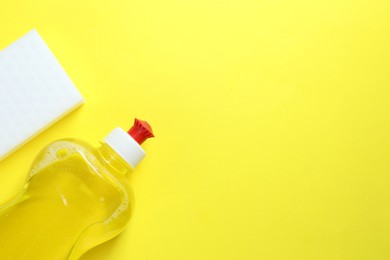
column 271, row 117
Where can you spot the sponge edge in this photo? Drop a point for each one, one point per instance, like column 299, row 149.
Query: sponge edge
column 35, row 91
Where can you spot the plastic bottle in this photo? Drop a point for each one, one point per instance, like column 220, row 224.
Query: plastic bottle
column 75, row 197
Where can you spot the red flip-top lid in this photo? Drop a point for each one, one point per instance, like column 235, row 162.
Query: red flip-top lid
column 140, row 131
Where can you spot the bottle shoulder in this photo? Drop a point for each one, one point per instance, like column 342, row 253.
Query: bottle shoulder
column 57, row 151
column 60, row 150
column 72, row 159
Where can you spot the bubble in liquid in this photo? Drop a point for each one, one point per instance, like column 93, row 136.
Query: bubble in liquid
column 51, row 154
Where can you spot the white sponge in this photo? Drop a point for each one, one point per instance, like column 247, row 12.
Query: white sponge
column 34, row 91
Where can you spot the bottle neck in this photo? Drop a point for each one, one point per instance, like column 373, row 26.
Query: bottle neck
column 113, row 160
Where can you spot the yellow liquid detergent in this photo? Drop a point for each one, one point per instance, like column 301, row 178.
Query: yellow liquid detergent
column 75, row 198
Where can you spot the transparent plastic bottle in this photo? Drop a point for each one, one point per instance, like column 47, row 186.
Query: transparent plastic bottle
column 75, row 197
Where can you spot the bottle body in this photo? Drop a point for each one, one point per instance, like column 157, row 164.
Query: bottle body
column 75, row 198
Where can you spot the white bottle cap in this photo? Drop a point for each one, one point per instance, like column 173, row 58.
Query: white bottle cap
column 124, row 145
column 128, row 144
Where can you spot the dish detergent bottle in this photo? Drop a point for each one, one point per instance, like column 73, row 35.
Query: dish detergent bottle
column 75, row 197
